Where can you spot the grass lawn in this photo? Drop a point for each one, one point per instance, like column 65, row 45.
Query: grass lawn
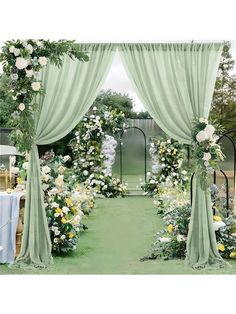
column 120, row 232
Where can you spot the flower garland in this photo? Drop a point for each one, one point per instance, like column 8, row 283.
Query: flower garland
column 22, row 62
column 206, row 152
column 65, row 203
column 90, row 148
column 167, row 157
column 175, row 209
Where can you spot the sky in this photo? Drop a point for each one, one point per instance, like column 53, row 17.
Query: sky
column 117, row 79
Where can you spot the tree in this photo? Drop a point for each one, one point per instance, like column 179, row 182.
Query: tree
column 6, row 102
column 224, row 98
column 115, row 100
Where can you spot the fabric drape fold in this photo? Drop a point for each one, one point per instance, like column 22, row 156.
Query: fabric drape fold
column 175, row 83
column 70, row 91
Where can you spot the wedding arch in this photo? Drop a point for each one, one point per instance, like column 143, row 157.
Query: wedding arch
column 174, row 81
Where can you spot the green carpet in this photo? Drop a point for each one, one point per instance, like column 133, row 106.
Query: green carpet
column 120, row 232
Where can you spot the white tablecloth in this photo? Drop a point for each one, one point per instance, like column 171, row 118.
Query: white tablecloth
column 9, row 215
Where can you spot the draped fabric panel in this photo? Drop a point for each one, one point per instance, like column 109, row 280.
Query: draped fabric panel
column 175, row 83
column 70, row 91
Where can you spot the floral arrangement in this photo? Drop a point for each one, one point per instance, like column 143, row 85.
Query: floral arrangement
column 171, row 241
column 65, row 202
column 22, row 62
column 206, row 152
column 93, row 149
column 167, row 157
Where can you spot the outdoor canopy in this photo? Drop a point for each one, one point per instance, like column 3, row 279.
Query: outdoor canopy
column 175, row 83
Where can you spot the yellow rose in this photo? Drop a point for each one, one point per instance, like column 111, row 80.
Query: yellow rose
column 58, row 210
column 70, row 235
column 170, row 228
column 19, row 180
column 221, row 247
column 233, row 254
column 217, row 218
column 69, row 202
column 63, row 220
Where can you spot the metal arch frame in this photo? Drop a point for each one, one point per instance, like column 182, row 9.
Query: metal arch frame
column 121, row 152
column 224, row 135
column 234, row 147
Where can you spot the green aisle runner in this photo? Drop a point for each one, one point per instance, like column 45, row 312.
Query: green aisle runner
column 120, row 232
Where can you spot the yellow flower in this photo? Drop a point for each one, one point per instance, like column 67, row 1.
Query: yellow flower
column 58, row 210
column 217, row 218
column 70, row 235
column 233, row 254
column 170, row 228
column 69, row 202
column 63, row 220
column 221, row 247
column 19, row 180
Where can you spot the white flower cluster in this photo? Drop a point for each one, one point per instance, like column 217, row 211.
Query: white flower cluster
column 109, row 145
column 206, row 140
column 27, row 64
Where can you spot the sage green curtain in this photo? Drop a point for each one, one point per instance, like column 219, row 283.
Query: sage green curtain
column 175, row 82
column 70, row 91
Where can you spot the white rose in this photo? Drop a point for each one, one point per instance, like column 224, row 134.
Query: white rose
column 21, row 106
column 201, row 136
column 12, row 49
column 65, row 209
column 36, row 86
column 25, row 165
column 21, row 63
column 15, row 170
column 165, row 240
column 85, row 172
column 43, row 61
column 29, row 73
column 17, row 52
column 209, row 129
column 66, row 158
column 218, row 224
column 29, row 48
column 45, row 178
column 39, row 43
column 54, row 205
column 59, row 181
column 46, row 169
column 63, row 237
column 181, row 238
column 206, row 156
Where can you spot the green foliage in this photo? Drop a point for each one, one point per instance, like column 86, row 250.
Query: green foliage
column 120, row 102
column 224, row 99
column 89, row 159
column 167, row 157
column 6, row 102
column 66, row 202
